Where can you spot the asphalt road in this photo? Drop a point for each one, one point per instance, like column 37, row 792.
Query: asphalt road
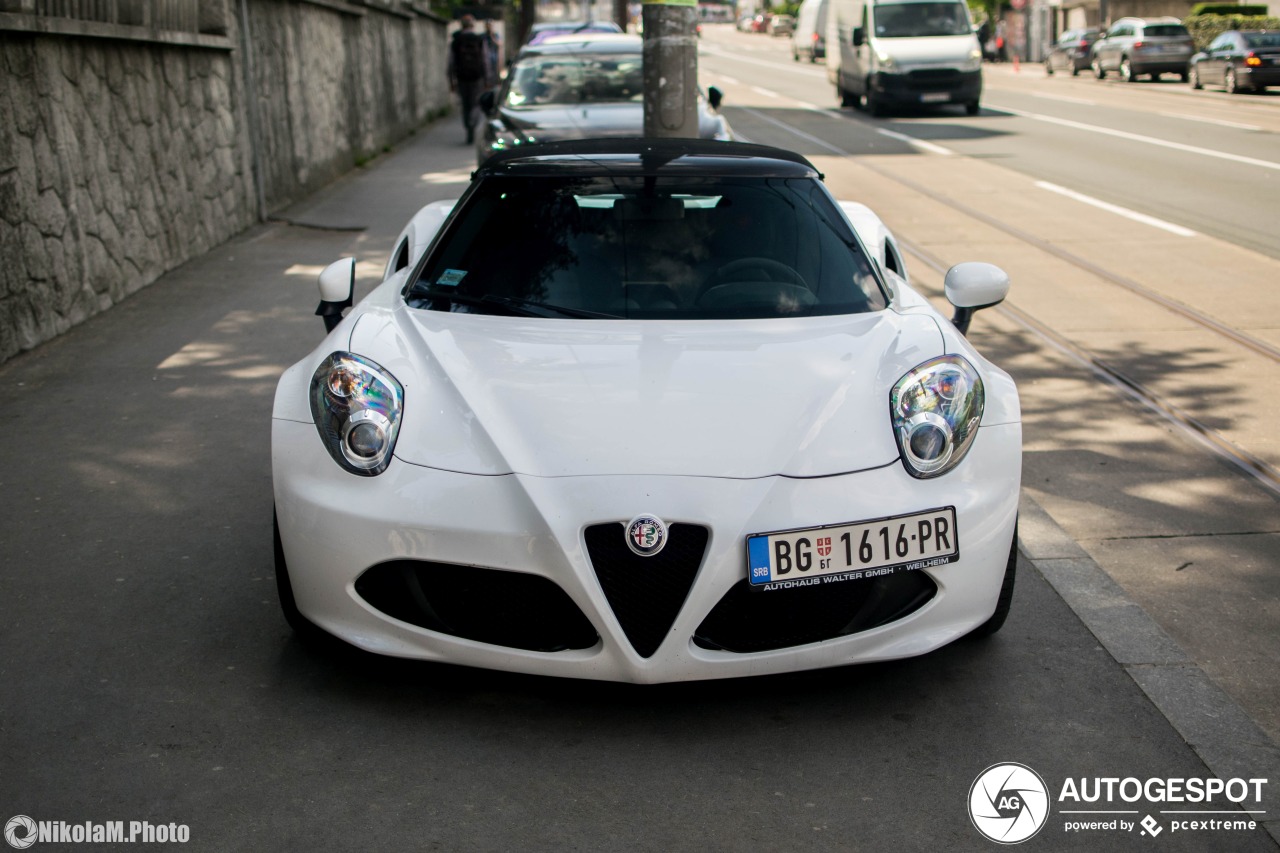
column 151, row 677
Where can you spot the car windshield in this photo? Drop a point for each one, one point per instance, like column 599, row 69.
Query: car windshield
column 1262, row 39
column 912, row 20
column 576, row 79
column 1163, row 30
column 649, row 248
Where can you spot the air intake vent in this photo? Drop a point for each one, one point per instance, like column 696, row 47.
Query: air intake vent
column 513, row 609
column 646, row 593
column 748, row 620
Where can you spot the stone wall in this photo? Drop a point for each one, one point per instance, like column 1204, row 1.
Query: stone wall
column 126, row 150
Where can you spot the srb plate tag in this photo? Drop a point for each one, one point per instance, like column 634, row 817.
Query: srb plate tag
column 858, row 549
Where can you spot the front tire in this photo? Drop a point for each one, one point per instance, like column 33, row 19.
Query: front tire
column 1126, row 71
column 1005, row 601
column 972, row 108
column 1229, row 82
column 847, row 98
column 1193, row 77
column 1098, row 70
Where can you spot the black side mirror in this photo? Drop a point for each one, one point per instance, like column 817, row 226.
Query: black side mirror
column 714, row 97
column 487, row 102
column 859, row 36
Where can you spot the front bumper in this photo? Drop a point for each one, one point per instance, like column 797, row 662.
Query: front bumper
column 927, row 86
column 335, row 526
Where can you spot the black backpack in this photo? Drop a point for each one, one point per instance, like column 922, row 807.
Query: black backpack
column 468, row 56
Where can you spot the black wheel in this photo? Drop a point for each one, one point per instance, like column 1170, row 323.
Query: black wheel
column 1185, row 76
column 1098, row 70
column 1048, row 68
column 873, row 105
column 1126, row 71
column 1229, row 81
column 1075, row 72
column 1193, row 77
column 848, row 99
column 1003, row 603
column 303, row 627
column 972, row 108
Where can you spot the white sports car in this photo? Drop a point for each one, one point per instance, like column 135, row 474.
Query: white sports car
column 647, row 411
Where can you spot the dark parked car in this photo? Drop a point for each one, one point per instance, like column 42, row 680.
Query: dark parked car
column 544, row 31
column 1239, row 61
column 1137, row 46
column 585, row 88
column 1071, row 51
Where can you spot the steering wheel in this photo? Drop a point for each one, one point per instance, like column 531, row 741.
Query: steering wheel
column 773, row 271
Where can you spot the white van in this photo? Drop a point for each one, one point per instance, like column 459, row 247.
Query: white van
column 903, row 52
column 809, row 40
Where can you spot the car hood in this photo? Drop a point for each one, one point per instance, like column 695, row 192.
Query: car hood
column 581, row 121
column 735, row 399
column 928, row 51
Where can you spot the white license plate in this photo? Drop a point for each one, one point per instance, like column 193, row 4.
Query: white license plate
column 934, row 98
column 859, row 549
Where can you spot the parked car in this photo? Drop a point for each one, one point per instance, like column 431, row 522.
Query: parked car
column 760, row 23
column 646, row 410
column 1071, row 51
column 574, row 87
column 746, row 22
column 809, row 41
column 543, row 31
column 1239, row 61
column 1135, row 47
column 782, row 25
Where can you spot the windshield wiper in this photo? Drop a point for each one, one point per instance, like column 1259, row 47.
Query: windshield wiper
column 508, row 305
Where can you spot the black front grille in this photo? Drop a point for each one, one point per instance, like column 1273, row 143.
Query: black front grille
column 926, row 78
column 646, row 593
column 511, row 609
column 747, row 620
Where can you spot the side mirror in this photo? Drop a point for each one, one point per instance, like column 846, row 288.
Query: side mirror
column 972, row 286
column 714, row 97
column 859, row 36
column 337, row 284
column 487, row 102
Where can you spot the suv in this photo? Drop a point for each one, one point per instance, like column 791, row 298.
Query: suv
column 1137, row 46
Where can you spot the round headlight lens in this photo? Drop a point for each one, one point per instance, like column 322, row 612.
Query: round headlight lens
column 356, row 405
column 936, row 408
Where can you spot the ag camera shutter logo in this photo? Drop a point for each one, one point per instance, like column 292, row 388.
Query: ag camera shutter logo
column 1008, row 803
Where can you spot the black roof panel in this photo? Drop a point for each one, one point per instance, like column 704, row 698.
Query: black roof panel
column 648, row 157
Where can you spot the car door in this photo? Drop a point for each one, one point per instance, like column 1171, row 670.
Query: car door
column 1220, row 51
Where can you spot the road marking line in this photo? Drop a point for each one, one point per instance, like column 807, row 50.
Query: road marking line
column 1119, row 211
column 822, row 143
column 731, row 81
column 1217, row 121
column 1066, row 99
column 768, row 93
column 794, row 68
column 916, row 143
column 1133, row 137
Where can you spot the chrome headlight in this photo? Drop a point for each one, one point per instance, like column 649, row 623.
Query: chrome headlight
column 356, row 405
column 936, row 408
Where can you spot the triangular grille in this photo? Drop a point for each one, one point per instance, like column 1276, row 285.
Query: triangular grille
column 646, row 593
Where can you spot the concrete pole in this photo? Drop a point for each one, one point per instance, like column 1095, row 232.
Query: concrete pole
column 670, row 68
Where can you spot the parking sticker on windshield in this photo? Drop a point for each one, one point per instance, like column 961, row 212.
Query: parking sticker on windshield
column 451, row 278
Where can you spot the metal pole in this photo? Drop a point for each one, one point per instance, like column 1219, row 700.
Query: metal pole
column 670, row 68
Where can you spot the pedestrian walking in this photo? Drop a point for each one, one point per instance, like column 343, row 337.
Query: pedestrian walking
column 467, row 71
column 492, row 54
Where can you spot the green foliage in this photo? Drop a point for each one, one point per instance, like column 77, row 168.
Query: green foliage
column 1206, row 28
column 1227, row 9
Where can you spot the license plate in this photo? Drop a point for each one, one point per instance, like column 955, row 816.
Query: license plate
column 934, row 98
column 858, row 549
